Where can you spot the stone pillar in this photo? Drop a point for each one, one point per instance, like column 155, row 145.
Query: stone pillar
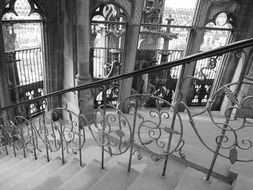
column 83, row 56
column 131, row 44
column 239, row 72
column 4, row 83
column 189, row 69
column 242, row 30
column 132, row 38
column 196, row 39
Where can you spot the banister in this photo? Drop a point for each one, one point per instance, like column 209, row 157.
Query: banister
column 217, row 51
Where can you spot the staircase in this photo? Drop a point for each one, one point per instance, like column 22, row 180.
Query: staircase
column 70, row 168
column 19, row 173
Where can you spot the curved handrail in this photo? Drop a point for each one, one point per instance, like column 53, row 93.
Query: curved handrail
column 217, row 51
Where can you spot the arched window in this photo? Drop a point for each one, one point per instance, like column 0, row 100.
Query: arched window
column 23, row 44
column 217, row 33
column 108, row 28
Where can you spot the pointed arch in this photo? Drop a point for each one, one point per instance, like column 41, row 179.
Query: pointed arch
column 22, row 28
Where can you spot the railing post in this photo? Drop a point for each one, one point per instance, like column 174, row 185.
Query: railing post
column 12, row 133
column 45, row 134
column 216, row 153
column 62, row 147
column 23, row 141
column 169, row 144
column 80, row 144
column 5, row 133
column 33, row 139
column 80, row 128
column 103, row 127
column 132, row 136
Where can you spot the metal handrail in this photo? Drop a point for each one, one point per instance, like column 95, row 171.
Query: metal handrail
column 217, row 51
column 20, row 50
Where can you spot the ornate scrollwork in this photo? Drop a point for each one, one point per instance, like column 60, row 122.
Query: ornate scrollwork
column 159, row 129
column 60, row 129
column 238, row 122
column 232, row 139
column 64, row 128
column 111, row 129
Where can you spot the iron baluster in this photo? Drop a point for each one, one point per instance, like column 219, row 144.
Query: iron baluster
column 6, row 150
column 132, row 136
column 216, row 153
column 169, row 144
column 5, row 133
column 12, row 133
column 103, row 126
column 62, row 147
column 45, row 134
column 23, row 141
column 80, row 144
column 33, row 139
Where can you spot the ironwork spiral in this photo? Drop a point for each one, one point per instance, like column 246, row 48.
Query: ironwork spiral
column 158, row 131
column 111, row 129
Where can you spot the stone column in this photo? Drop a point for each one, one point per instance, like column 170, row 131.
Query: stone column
column 131, row 44
column 189, row 69
column 238, row 77
column 132, row 38
column 83, row 55
column 4, row 83
column 242, row 30
column 196, row 39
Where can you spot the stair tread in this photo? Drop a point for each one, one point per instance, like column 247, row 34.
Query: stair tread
column 14, row 175
column 6, row 159
column 222, row 166
column 124, row 179
column 59, row 177
column 195, row 180
column 246, row 169
column 34, row 178
column 91, row 173
column 91, row 153
column 11, row 163
column 243, row 183
column 151, row 178
column 19, row 164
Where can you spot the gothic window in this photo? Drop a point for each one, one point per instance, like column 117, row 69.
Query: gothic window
column 217, row 33
column 164, row 33
column 108, row 27
column 23, row 43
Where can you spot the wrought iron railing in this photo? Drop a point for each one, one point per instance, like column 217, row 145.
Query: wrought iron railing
column 138, row 123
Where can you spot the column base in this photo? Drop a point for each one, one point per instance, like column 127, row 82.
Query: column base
column 85, row 98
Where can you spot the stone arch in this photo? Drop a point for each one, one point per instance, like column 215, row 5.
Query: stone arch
column 50, row 12
column 132, row 9
column 228, row 7
column 35, row 8
column 125, row 14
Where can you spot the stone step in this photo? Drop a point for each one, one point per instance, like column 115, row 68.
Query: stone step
column 243, row 183
column 93, row 152
column 13, row 176
column 60, row 176
column 10, row 163
column 151, row 178
column 116, row 178
column 195, row 180
column 6, row 159
column 19, row 165
column 91, row 173
column 27, row 182
column 88, row 154
column 222, row 166
column 243, row 168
